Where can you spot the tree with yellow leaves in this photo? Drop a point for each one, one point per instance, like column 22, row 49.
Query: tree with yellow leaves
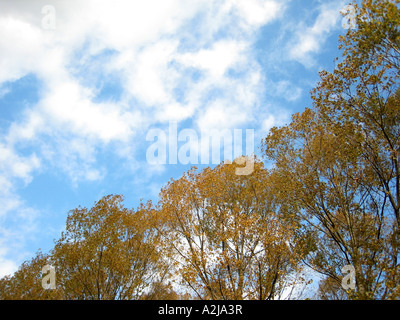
column 108, row 252
column 224, row 235
column 337, row 164
column 27, row 283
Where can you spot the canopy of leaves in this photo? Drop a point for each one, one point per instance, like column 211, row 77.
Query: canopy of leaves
column 342, row 159
column 224, row 234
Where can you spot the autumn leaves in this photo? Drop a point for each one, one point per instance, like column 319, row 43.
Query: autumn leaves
column 330, row 200
column 224, row 235
column 342, row 160
column 107, row 252
column 212, row 235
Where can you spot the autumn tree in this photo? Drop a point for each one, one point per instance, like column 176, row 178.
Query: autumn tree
column 27, row 282
column 108, row 252
column 337, row 164
column 222, row 233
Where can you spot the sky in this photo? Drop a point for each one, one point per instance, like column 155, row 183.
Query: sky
column 89, row 89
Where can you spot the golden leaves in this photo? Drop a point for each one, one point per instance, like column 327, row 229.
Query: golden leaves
column 108, row 252
column 223, row 232
column 341, row 157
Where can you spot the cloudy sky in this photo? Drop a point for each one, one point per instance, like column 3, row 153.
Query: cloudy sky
column 82, row 83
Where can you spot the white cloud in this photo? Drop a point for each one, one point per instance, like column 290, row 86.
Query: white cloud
column 275, row 117
column 70, row 106
column 175, row 112
column 217, row 60
column 14, row 166
column 218, row 115
column 134, row 30
column 4, row 91
column 18, row 223
column 257, row 12
column 15, row 37
column 135, row 23
column 286, row 90
column 269, row 123
column 7, row 266
column 154, row 56
column 309, row 40
column 148, row 76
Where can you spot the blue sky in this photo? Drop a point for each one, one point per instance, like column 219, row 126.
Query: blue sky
column 83, row 83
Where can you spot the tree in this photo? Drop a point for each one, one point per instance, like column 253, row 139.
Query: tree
column 26, row 282
column 337, row 164
column 108, row 252
column 223, row 234
column 317, row 176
